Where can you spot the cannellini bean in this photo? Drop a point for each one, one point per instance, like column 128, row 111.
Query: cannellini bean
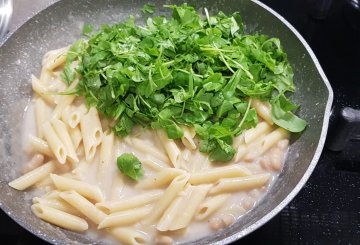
column 216, row 223
column 164, row 240
column 264, row 163
column 228, row 219
column 36, row 161
column 248, row 203
column 283, row 144
column 221, row 221
column 254, row 193
column 276, row 158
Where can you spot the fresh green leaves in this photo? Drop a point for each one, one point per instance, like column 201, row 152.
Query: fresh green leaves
column 148, row 8
column 184, row 70
column 130, row 165
column 281, row 115
column 87, row 29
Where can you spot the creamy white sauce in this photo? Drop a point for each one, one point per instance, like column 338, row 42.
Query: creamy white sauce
column 238, row 204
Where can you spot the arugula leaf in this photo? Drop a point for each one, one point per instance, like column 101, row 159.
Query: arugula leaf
column 224, row 152
column 130, row 165
column 87, row 29
column 68, row 75
column 188, row 70
column 283, row 117
column 148, row 8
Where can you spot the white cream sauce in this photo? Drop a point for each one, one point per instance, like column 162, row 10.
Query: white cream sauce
column 238, row 204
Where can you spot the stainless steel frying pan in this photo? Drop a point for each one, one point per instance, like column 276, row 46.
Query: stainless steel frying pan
column 61, row 24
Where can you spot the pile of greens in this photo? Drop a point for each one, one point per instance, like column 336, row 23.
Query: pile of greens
column 185, row 70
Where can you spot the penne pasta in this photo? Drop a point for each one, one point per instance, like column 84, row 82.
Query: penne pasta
column 76, row 114
column 66, row 100
column 117, row 186
column 91, row 132
column 90, row 191
column 57, row 203
column 162, row 178
column 45, row 76
column 154, row 164
column 213, row 175
column 169, row 195
column 129, row 203
column 42, row 111
column 188, row 138
column 63, row 134
column 76, row 136
column 104, row 169
column 252, row 134
column 170, row 147
column 41, row 90
column 210, row 206
column 240, row 183
column 182, row 210
column 263, row 109
column 40, row 146
column 266, row 143
column 30, row 178
column 130, row 236
column 124, row 218
column 59, row 218
column 55, row 144
column 81, row 204
column 55, row 58
column 143, row 147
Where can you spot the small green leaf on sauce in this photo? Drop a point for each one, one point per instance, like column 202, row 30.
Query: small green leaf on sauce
column 130, row 165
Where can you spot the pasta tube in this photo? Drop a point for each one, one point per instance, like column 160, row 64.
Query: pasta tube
column 240, row 184
column 59, row 218
column 160, row 179
column 63, row 134
column 182, row 210
column 91, row 132
column 90, row 191
column 123, row 218
column 263, row 109
column 211, row 176
column 32, row 177
column 171, row 148
column 188, row 138
column 129, row 203
column 56, row 146
column 42, row 111
column 130, row 236
column 169, row 195
column 210, row 206
column 39, row 145
column 81, row 204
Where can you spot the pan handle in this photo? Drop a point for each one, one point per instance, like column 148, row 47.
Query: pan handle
column 344, row 126
column 6, row 9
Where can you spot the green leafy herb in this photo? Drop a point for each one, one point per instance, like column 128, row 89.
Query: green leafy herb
column 87, row 29
column 148, row 8
column 184, row 70
column 281, row 115
column 130, row 165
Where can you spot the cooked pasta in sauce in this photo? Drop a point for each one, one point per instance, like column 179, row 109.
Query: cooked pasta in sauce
column 182, row 195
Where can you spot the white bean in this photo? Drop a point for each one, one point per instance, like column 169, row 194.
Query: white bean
column 164, row 240
column 36, row 161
